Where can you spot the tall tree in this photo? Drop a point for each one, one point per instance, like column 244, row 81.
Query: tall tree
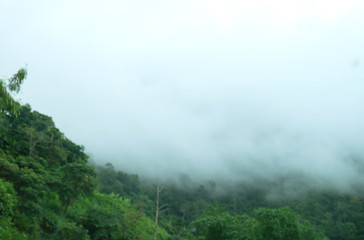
column 7, row 88
column 158, row 211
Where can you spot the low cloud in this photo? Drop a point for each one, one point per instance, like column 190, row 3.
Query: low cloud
column 162, row 88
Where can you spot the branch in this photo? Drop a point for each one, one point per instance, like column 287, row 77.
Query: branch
column 164, row 210
column 163, row 206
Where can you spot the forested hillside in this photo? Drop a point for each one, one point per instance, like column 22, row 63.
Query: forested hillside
column 49, row 190
column 243, row 211
column 47, row 187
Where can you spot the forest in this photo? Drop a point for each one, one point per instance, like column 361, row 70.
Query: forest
column 50, row 190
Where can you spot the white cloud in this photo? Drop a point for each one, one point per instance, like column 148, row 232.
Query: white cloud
column 201, row 86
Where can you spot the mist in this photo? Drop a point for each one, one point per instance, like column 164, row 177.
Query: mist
column 229, row 91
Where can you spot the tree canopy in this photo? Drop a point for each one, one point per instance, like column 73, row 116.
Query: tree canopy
column 7, row 88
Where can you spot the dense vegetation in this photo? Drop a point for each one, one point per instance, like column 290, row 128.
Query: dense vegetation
column 244, row 211
column 49, row 190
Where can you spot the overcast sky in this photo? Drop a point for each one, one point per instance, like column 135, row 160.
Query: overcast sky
column 218, row 88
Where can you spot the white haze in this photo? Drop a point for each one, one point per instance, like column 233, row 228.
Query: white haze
column 229, row 89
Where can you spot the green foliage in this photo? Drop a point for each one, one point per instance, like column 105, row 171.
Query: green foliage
column 9, row 232
column 8, row 201
column 77, row 180
column 145, row 227
column 103, row 216
column 7, row 104
column 30, row 186
column 8, row 168
column 340, row 216
column 265, row 224
column 118, row 182
column 7, row 198
column 277, row 224
column 216, row 223
column 213, row 224
column 108, row 216
column 71, row 231
column 308, row 232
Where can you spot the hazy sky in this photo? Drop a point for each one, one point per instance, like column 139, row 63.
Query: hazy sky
column 218, row 88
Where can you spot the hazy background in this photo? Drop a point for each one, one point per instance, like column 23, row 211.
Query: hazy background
column 218, row 89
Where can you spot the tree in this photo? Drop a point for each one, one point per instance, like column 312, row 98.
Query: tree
column 7, row 198
column 78, row 180
column 158, row 210
column 277, row 224
column 9, row 86
column 71, row 231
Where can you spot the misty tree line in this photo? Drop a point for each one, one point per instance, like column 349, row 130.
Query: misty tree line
column 200, row 211
column 49, row 190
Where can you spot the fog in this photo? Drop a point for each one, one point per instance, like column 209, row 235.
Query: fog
column 224, row 90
